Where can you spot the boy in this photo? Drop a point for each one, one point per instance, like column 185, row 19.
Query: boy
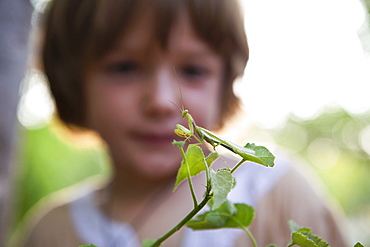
column 115, row 67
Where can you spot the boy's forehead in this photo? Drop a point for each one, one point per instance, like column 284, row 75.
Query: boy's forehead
column 141, row 36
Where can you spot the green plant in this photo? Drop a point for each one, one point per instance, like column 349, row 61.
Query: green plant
column 223, row 213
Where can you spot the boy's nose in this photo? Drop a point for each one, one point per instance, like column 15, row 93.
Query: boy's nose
column 162, row 93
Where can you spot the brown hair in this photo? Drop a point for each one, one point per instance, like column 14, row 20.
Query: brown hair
column 79, row 32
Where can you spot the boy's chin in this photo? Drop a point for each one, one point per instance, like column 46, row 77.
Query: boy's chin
column 152, row 172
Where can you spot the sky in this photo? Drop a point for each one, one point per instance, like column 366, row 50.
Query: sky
column 304, row 55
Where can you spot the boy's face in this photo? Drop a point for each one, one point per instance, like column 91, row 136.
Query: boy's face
column 131, row 94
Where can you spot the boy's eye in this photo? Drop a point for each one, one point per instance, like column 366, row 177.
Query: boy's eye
column 123, row 67
column 194, row 71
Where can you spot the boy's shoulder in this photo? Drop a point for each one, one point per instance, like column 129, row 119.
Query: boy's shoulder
column 299, row 196
column 50, row 224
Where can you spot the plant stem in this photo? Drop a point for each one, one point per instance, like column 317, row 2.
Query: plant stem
column 237, row 166
column 245, row 229
column 188, row 217
column 195, row 201
column 251, row 237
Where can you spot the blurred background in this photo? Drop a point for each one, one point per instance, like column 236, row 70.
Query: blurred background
column 305, row 90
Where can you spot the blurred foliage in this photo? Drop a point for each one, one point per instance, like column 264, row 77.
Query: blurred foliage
column 367, row 6
column 364, row 31
column 337, row 145
column 49, row 163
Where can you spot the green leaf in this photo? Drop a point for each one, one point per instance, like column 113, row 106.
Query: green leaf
column 243, row 217
column 228, row 215
column 222, row 182
column 196, row 161
column 90, row 245
column 304, row 238
column 211, row 158
column 262, row 154
column 209, row 220
column 148, row 242
column 226, row 208
column 213, row 219
column 358, row 244
column 295, row 228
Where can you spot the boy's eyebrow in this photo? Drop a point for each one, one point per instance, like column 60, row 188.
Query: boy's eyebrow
column 137, row 51
column 199, row 52
column 140, row 47
column 198, row 49
column 126, row 51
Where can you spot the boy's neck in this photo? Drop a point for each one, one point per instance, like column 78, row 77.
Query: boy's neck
column 134, row 188
column 133, row 197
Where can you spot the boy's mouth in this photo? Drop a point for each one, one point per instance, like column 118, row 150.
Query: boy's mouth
column 157, row 140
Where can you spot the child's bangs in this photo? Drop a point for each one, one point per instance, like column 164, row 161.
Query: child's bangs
column 219, row 23
column 114, row 17
column 213, row 20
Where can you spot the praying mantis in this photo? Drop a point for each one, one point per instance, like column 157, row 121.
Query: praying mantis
column 248, row 153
